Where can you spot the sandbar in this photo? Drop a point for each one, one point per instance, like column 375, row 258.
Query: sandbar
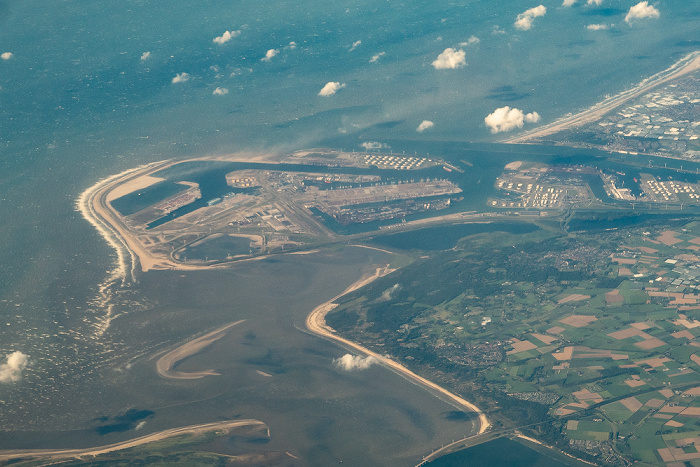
column 165, row 364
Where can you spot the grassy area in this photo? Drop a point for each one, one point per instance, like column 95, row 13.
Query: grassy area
column 587, row 325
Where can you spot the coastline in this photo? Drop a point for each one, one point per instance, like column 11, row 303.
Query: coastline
column 685, row 65
column 153, row 437
column 316, row 324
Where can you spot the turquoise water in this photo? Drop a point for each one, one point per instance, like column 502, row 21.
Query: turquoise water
column 77, row 103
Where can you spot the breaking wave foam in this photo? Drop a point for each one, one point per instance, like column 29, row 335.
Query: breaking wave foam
column 124, row 271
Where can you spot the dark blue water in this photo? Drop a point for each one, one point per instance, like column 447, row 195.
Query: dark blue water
column 502, row 452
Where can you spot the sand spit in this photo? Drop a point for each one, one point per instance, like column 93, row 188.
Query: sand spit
column 316, row 323
column 166, row 363
column 687, row 64
column 94, row 205
column 161, row 435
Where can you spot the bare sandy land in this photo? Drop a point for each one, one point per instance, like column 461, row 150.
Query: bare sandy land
column 166, row 363
column 316, row 323
column 161, row 435
column 94, row 206
column 99, row 212
column 144, row 181
column 687, row 64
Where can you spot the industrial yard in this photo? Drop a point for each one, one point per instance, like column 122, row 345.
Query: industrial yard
column 203, row 217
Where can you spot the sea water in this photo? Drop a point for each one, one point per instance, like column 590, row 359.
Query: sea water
column 91, row 89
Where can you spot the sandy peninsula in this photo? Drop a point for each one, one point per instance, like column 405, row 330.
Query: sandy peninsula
column 316, row 323
column 159, row 436
column 687, row 64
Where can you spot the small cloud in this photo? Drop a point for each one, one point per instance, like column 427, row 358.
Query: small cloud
column 181, row 77
column 368, row 145
column 568, row 3
column 496, row 30
column 269, row 55
column 11, row 370
column 506, row 119
column 640, row 11
column 354, row 362
column 598, row 27
column 226, row 36
column 292, row 45
column 376, row 57
column 331, row 88
column 473, row 40
column 220, row 92
column 450, row 59
column 140, row 425
column 424, row 125
column 524, row 20
column 145, row 56
column 594, row 2
column 7, row 55
column 354, row 45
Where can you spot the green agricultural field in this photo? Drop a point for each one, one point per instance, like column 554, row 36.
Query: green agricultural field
column 553, row 329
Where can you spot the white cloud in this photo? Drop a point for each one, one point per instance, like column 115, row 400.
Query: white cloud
column 524, row 20
column 6, row 55
column 376, row 57
column 640, row 11
column 292, row 45
column 269, row 55
column 354, row 45
column 568, row 2
column 450, row 59
column 181, row 77
column 331, row 88
column 506, row 119
column 374, row 145
column 594, row 2
column 220, row 92
column 354, row 362
column 226, row 36
column 496, row 30
column 598, row 27
column 145, row 56
column 473, row 40
column 11, row 370
column 424, row 125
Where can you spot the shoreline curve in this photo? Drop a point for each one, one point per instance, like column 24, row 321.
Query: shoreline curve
column 316, row 324
column 685, row 65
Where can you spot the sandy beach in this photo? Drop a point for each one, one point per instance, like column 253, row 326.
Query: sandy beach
column 687, row 64
column 94, row 205
column 316, row 323
column 159, row 436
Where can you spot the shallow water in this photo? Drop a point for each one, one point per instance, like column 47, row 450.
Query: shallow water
column 78, row 103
